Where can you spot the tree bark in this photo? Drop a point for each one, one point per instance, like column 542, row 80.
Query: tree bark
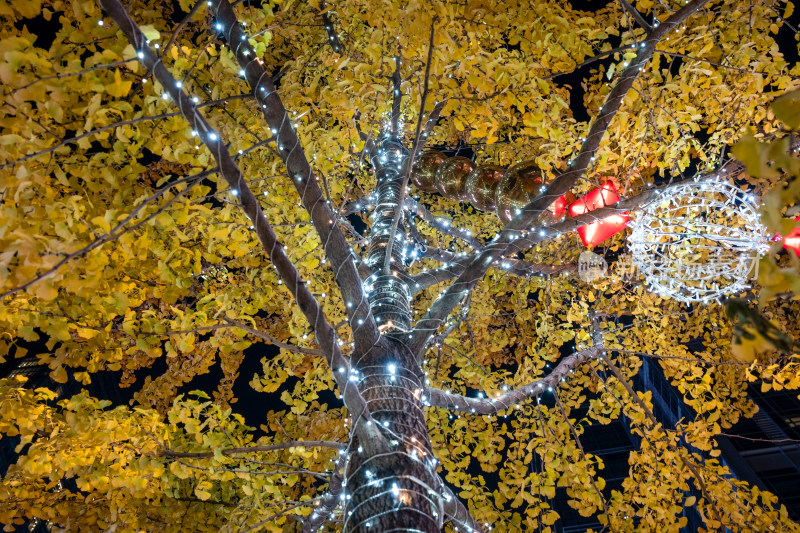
column 398, row 490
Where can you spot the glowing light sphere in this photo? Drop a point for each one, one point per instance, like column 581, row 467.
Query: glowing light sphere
column 698, row 241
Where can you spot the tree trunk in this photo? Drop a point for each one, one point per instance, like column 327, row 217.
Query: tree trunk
column 389, row 296
column 398, row 489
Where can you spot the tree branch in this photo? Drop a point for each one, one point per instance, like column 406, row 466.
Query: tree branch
column 333, row 38
column 70, row 74
column 583, row 455
column 329, row 500
column 270, row 339
column 589, row 61
column 182, row 24
column 442, row 226
column 496, row 248
column 597, row 335
column 257, row 526
column 529, row 239
column 490, row 406
column 429, row 278
column 76, row 138
column 325, row 334
column 120, row 228
column 398, row 213
column 456, row 266
column 653, row 420
column 397, row 96
column 632, row 11
column 707, row 61
column 252, row 449
column 337, row 250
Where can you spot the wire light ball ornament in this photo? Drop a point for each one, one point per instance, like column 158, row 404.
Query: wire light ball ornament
column 698, row 241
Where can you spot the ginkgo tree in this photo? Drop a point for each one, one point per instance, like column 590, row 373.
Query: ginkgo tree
column 184, row 180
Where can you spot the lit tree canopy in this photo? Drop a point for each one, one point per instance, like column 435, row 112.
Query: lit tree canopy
column 186, row 182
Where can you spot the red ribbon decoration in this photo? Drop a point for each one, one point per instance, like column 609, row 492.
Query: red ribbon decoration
column 600, row 230
column 792, row 241
column 559, row 206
